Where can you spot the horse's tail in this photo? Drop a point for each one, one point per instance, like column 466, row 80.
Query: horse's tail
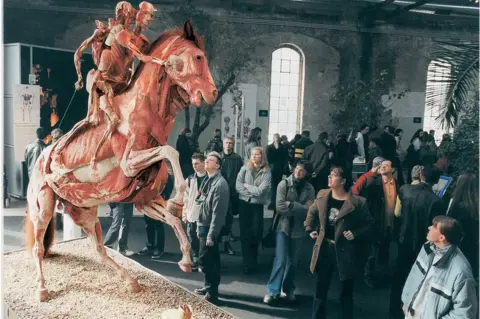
column 30, row 234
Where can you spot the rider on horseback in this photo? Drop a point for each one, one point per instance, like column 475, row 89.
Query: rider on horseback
column 114, row 50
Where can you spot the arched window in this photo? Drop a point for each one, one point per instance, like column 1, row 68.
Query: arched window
column 436, row 93
column 286, row 91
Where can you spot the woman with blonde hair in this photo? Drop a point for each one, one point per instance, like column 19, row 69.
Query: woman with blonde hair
column 253, row 186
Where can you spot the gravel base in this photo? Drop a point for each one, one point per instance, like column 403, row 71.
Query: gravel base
column 81, row 287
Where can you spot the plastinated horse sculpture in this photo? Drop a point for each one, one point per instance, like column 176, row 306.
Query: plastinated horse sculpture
column 131, row 166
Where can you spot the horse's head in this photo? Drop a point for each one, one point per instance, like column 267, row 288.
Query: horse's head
column 186, row 65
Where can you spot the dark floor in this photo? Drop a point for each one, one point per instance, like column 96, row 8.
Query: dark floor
column 241, row 294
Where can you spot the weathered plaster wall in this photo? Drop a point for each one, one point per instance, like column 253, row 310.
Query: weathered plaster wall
column 331, row 54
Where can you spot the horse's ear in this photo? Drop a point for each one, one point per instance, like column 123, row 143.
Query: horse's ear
column 188, row 33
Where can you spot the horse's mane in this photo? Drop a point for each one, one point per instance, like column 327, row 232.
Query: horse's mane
column 199, row 42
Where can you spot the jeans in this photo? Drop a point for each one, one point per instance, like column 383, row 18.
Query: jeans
column 209, row 263
column 287, row 253
column 251, row 231
column 122, row 215
column 155, row 234
column 326, row 265
column 193, row 239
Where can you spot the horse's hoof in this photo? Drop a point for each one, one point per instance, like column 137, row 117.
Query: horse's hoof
column 42, row 295
column 174, row 208
column 133, row 286
column 185, row 267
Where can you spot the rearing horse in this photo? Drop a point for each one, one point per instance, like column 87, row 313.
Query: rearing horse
column 130, row 165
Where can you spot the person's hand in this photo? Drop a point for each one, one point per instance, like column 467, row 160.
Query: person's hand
column 184, row 219
column 330, row 155
column 314, row 234
column 79, row 83
column 245, row 185
column 375, row 169
column 404, row 308
column 209, row 242
column 348, row 235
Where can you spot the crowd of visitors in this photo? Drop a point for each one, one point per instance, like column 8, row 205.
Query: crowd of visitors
column 354, row 221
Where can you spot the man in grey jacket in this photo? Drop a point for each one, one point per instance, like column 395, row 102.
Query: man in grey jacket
column 213, row 200
column 441, row 284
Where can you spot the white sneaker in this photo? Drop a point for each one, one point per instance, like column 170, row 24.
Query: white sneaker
column 127, row 252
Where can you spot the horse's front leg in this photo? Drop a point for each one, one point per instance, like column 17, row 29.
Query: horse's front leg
column 155, row 210
column 136, row 161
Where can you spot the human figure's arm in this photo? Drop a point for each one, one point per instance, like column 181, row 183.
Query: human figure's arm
column 124, row 38
column 363, row 182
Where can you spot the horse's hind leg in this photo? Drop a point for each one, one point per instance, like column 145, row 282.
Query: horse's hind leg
column 90, row 224
column 42, row 229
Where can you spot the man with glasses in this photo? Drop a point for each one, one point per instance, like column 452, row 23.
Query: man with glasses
column 212, row 211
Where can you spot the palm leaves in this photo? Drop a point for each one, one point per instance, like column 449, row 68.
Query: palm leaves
column 452, row 78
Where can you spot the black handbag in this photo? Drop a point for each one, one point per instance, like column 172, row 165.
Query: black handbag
column 269, row 240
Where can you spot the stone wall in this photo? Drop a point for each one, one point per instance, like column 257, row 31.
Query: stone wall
column 333, row 52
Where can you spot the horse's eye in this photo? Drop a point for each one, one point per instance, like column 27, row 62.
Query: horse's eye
column 199, row 57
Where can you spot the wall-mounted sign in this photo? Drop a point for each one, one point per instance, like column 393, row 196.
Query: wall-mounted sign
column 263, row 113
column 417, row 120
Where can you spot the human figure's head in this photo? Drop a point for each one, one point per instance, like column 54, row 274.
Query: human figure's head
column 399, row 132
column 284, row 139
column 186, row 132
column 364, row 129
column 306, row 133
column 432, row 175
column 417, row 134
column 323, row 137
column 56, row 134
column 41, row 134
column 252, row 136
column 377, row 162
column 198, row 163
column 276, row 138
column 432, row 133
column 125, row 13
column 228, row 145
column 388, row 129
column 445, row 231
column 418, row 173
column 145, row 14
column 213, row 162
column 386, row 168
column 296, row 138
column 303, row 170
column 339, row 179
column 217, row 133
column 257, row 158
